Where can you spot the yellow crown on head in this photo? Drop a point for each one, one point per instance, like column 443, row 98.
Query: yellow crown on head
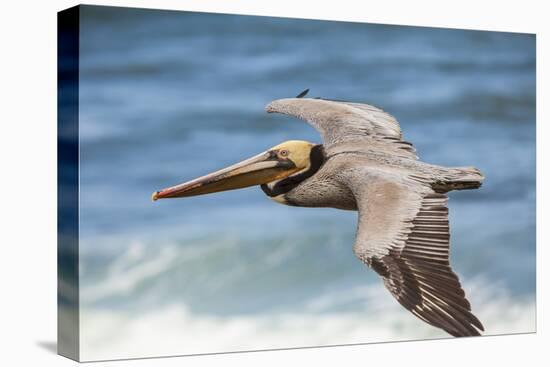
column 298, row 151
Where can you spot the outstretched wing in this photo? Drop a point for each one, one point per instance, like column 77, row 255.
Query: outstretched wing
column 403, row 234
column 339, row 121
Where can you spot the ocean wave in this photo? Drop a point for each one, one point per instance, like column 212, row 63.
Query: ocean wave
column 175, row 330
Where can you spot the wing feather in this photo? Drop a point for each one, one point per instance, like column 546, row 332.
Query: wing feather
column 339, row 121
column 403, row 234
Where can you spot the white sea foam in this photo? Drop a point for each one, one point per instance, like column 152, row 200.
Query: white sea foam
column 175, row 330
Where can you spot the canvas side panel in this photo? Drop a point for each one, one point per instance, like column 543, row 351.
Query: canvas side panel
column 67, row 186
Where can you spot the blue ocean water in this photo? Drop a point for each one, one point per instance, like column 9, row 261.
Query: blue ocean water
column 169, row 96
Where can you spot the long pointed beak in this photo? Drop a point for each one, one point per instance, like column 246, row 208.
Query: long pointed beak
column 260, row 169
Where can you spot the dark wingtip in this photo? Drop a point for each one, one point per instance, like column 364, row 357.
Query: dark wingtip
column 302, row 94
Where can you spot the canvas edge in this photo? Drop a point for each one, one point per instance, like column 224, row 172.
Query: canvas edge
column 68, row 302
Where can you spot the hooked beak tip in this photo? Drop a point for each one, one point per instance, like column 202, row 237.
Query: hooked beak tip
column 155, row 196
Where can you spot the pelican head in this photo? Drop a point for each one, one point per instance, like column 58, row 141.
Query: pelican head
column 271, row 166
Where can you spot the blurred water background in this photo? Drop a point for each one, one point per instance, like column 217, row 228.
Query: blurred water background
column 168, row 96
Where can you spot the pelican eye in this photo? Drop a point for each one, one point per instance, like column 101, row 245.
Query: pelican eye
column 283, row 153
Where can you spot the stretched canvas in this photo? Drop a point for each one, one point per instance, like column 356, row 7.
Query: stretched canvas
column 379, row 139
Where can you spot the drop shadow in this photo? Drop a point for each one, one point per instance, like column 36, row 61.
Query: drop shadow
column 50, row 346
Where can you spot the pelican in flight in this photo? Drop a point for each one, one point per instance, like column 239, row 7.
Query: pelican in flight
column 365, row 165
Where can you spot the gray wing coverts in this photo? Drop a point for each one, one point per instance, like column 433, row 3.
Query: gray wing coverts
column 339, row 121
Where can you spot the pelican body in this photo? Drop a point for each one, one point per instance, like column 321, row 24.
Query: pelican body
column 365, row 165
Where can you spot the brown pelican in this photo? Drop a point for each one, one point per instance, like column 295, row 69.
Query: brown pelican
column 364, row 165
